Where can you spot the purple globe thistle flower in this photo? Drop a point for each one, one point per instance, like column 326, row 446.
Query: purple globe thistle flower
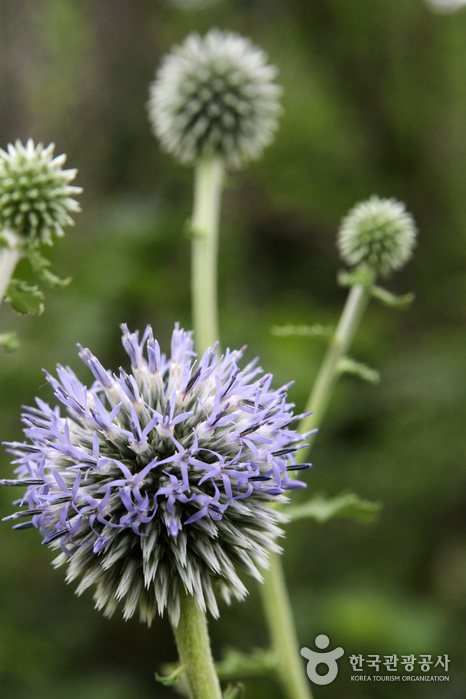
column 161, row 478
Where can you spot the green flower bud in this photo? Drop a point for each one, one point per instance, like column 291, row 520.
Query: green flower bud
column 214, row 96
column 35, row 194
column 378, row 234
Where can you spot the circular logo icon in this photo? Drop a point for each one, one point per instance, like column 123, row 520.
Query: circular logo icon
column 315, row 658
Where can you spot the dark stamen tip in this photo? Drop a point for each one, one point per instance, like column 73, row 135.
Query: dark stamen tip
column 287, row 450
column 251, row 428
column 24, row 513
column 192, row 381
column 23, row 525
column 24, row 481
column 54, row 537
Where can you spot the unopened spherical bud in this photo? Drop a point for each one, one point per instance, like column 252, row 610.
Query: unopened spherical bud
column 378, row 234
column 215, row 96
column 35, row 194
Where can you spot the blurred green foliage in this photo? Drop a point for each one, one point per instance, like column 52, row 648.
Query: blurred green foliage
column 375, row 101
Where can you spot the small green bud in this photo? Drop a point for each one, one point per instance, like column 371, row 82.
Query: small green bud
column 378, row 234
column 35, row 194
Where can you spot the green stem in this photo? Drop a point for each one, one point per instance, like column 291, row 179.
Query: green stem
column 206, row 214
column 328, row 374
column 191, row 633
column 9, row 258
column 282, row 631
column 275, row 596
column 192, row 640
column 207, row 195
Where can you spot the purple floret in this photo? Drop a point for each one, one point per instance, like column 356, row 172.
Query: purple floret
column 149, row 469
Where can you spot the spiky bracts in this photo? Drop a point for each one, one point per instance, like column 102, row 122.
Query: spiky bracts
column 379, row 234
column 160, row 478
column 215, row 96
column 35, row 194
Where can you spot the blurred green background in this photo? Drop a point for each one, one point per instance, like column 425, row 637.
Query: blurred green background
column 375, row 101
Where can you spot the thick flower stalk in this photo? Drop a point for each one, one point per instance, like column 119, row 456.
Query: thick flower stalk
column 214, row 96
column 36, row 202
column 158, row 482
column 378, row 237
column 213, row 104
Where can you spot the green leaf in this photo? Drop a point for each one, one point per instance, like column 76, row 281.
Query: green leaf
column 356, row 276
column 192, row 231
column 366, row 278
column 346, row 505
column 324, row 332
column 53, row 281
column 40, row 266
column 390, row 299
column 4, row 242
column 235, row 691
column 9, row 342
column 188, row 228
column 236, row 665
column 25, row 299
column 172, row 678
column 346, row 365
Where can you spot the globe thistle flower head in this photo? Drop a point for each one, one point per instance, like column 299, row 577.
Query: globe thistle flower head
column 378, row 234
column 215, row 96
column 35, row 194
column 161, row 478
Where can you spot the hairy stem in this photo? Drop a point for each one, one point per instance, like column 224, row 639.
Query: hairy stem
column 9, row 258
column 282, row 631
column 328, row 374
column 275, row 596
column 277, row 606
column 206, row 214
column 191, row 634
column 192, row 640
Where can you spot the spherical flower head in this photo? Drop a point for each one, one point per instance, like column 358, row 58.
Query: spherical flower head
column 159, row 479
column 215, row 96
column 378, row 234
column 35, row 194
